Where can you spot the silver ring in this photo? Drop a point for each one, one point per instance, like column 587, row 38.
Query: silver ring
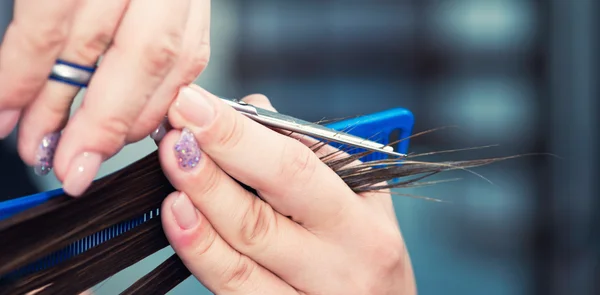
column 72, row 74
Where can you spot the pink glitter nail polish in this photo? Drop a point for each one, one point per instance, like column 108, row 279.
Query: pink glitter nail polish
column 187, row 151
column 45, row 154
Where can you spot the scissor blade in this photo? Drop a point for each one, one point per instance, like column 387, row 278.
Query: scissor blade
column 289, row 123
column 311, row 129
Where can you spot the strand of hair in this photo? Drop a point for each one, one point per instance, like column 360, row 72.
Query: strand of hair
column 141, row 187
column 93, row 266
column 77, row 218
column 162, row 279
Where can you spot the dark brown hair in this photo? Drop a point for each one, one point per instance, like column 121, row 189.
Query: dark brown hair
column 138, row 190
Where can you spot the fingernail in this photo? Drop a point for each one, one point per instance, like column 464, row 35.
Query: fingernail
column 161, row 130
column 45, row 154
column 184, row 212
column 195, row 107
column 8, row 120
column 187, row 150
column 82, row 172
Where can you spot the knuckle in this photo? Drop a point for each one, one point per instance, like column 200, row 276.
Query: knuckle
column 21, row 88
column 161, row 55
column 89, row 47
column 194, row 63
column 57, row 108
column 297, row 162
column 388, row 255
column 238, row 273
column 114, row 131
column 258, row 224
column 231, row 134
column 207, row 240
column 45, row 37
column 141, row 128
column 383, row 261
column 21, row 91
column 210, row 181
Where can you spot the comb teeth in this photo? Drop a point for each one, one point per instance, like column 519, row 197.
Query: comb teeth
column 83, row 245
column 102, row 236
column 109, row 233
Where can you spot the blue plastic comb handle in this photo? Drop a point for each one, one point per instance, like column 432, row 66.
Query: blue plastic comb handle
column 382, row 127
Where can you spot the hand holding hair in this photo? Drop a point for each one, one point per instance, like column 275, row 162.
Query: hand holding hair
column 149, row 49
column 295, row 225
column 305, row 232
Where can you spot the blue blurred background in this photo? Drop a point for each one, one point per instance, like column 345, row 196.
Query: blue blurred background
column 519, row 73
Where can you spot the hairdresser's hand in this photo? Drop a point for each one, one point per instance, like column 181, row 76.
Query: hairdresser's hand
column 334, row 241
column 150, row 48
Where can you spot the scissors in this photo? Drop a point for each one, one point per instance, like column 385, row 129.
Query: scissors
column 80, row 76
column 285, row 122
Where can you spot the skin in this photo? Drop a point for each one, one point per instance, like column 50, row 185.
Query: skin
column 308, row 233
column 152, row 46
column 312, row 235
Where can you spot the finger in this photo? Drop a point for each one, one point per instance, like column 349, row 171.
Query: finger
column 164, row 126
column 209, row 258
column 141, row 58
column 244, row 221
column 263, row 102
column 93, row 28
column 258, row 100
column 193, row 59
column 381, row 200
column 292, row 178
column 8, row 120
column 322, row 150
column 31, row 45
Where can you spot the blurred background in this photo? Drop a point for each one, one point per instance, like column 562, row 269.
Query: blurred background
column 519, row 73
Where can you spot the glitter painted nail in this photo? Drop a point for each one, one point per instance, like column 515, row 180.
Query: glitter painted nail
column 187, row 150
column 45, row 154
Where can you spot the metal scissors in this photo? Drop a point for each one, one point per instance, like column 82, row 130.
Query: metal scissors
column 79, row 75
column 288, row 123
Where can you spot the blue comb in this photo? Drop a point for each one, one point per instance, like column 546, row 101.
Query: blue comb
column 382, row 127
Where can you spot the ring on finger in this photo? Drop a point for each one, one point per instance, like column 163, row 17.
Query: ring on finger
column 72, row 73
